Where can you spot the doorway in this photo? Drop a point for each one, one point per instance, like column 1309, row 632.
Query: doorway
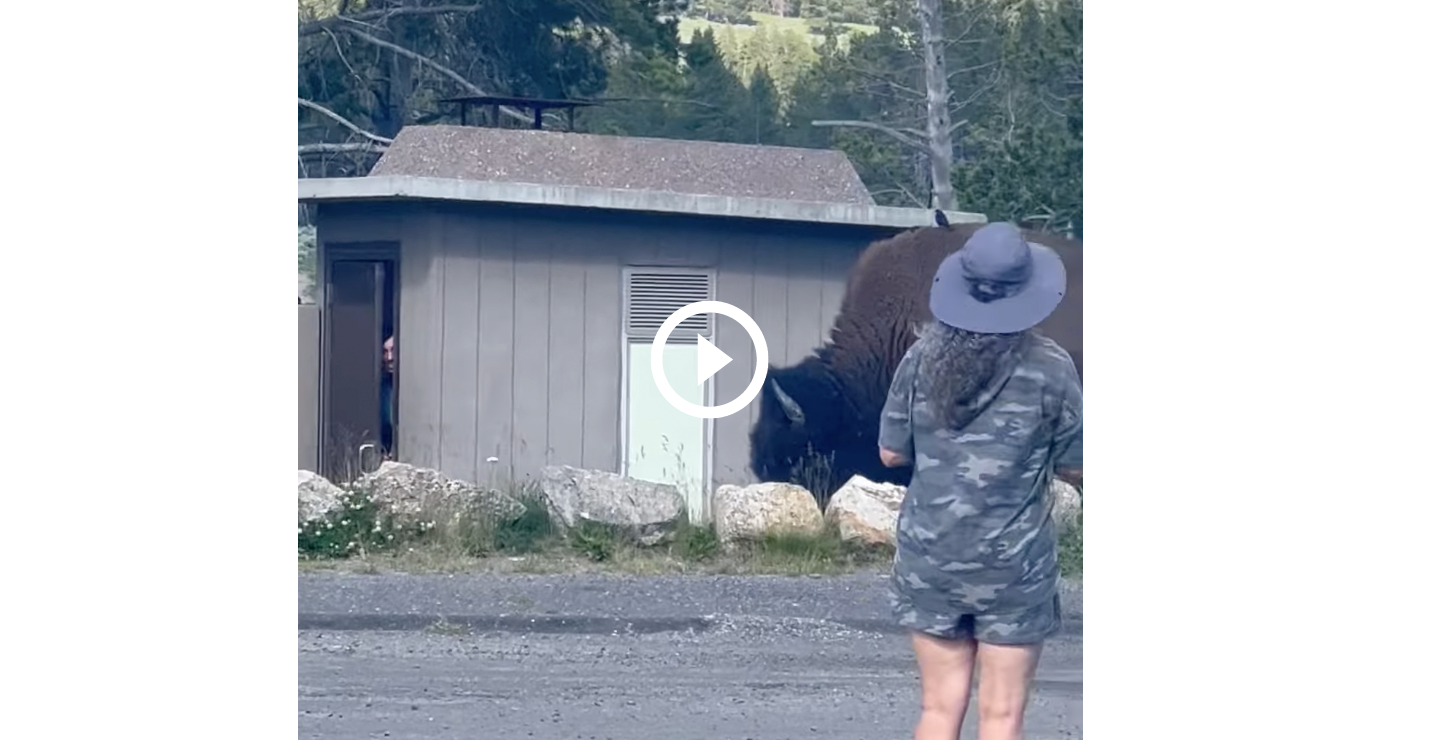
column 359, row 360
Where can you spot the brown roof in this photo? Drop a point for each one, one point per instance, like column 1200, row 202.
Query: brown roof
column 631, row 163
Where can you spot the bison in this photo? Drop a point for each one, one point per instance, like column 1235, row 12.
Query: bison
column 819, row 420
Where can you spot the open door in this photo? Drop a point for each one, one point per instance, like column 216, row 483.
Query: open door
column 357, row 321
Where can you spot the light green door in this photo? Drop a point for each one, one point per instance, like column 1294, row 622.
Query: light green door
column 664, row 444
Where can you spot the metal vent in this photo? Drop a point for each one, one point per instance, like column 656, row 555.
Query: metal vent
column 652, row 295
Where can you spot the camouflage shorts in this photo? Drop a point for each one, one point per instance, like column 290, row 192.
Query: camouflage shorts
column 1024, row 627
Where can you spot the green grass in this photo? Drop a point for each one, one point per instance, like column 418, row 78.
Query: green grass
column 362, row 537
column 1072, row 549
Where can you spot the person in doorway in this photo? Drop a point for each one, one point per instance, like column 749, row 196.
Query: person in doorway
column 387, row 396
column 989, row 412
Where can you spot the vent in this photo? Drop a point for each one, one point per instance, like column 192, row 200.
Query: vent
column 652, row 295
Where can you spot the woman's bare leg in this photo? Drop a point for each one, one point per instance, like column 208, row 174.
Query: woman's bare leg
column 1006, row 673
column 946, row 668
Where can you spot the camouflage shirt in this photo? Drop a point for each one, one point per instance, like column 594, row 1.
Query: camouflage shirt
column 975, row 526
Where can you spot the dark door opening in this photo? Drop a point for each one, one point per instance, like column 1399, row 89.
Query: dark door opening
column 359, row 360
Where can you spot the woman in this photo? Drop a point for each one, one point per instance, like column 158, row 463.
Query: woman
column 989, row 412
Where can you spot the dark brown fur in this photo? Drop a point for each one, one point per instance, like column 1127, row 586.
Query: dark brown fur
column 841, row 388
column 888, row 290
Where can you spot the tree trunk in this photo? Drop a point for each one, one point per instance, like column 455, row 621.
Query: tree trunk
column 937, row 104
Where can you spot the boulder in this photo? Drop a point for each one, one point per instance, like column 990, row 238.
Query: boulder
column 1067, row 505
column 318, row 497
column 416, row 494
column 866, row 511
column 750, row 512
column 649, row 513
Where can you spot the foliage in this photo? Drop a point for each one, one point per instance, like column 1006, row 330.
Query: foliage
column 1072, row 549
column 697, row 543
column 307, row 254
column 541, row 48
column 361, row 525
column 1025, row 158
column 466, row 535
column 748, row 71
column 357, row 526
column 595, row 541
column 698, row 98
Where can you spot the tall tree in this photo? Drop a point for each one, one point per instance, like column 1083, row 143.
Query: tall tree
column 937, row 104
column 1024, row 157
column 763, row 111
column 369, row 68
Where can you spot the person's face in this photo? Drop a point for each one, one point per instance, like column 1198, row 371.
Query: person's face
column 388, row 354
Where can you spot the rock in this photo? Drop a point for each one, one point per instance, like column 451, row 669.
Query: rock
column 645, row 511
column 750, row 512
column 416, row 494
column 866, row 511
column 318, row 497
column 1067, row 506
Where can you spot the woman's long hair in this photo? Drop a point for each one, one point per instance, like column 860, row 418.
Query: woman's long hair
column 956, row 365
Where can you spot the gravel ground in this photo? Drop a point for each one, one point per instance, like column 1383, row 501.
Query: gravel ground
column 632, row 658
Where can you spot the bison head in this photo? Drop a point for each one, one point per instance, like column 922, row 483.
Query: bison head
column 797, row 409
column 801, row 435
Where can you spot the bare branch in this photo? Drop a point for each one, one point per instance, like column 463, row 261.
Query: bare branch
column 973, row 68
column 676, row 101
column 374, row 147
column 318, row 108
column 958, row 124
column 314, row 27
column 883, row 80
column 340, row 53
column 904, row 138
column 901, row 190
column 427, row 61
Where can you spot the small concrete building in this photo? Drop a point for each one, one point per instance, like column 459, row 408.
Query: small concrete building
column 523, row 275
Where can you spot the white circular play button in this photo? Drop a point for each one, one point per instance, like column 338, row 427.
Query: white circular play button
column 710, row 359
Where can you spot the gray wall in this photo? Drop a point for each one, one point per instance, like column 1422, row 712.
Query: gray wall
column 511, row 325
column 309, row 387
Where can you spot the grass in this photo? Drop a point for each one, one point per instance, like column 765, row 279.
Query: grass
column 1072, row 549
column 364, row 536
column 804, row 26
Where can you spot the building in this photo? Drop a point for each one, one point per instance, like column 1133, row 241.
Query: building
column 524, row 274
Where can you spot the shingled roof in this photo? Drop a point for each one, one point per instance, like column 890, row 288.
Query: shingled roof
column 629, row 163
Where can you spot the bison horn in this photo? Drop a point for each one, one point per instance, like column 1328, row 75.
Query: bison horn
column 792, row 409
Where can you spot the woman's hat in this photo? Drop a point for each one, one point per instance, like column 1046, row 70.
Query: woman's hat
column 997, row 283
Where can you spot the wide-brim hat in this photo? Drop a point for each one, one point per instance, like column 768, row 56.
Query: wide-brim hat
column 997, row 283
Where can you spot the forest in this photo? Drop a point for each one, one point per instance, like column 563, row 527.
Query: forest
column 842, row 74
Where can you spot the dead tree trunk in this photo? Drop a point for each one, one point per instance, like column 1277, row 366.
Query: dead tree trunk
column 937, row 104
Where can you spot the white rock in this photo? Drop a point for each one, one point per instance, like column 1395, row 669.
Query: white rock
column 413, row 493
column 648, row 512
column 750, row 512
column 1067, row 505
column 318, row 497
column 866, row 511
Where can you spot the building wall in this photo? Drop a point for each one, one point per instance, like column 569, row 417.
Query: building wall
column 511, row 323
column 309, row 437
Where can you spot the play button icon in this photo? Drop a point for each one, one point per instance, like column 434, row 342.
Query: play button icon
column 710, row 359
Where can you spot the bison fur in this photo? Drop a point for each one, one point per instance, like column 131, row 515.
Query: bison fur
column 819, row 420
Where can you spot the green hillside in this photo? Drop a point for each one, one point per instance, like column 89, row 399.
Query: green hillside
column 807, row 27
